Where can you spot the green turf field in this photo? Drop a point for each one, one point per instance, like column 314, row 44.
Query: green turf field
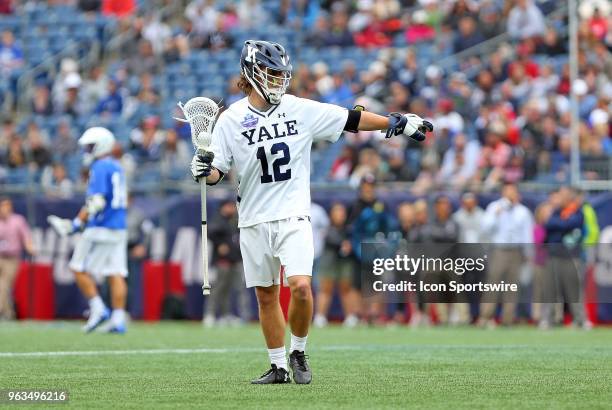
column 182, row 365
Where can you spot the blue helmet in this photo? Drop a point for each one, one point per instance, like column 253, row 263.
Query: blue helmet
column 267, row 68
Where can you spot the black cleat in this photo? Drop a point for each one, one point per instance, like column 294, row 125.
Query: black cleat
column 299, row 367
column 273, row 376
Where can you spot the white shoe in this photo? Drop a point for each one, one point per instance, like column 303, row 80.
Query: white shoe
column 351, row 321
column 113, row 327
column 209, row 321
column 319, row 321
column 96, row 318
column 587, row 325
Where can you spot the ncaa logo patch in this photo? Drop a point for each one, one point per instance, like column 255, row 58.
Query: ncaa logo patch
column 249, row 121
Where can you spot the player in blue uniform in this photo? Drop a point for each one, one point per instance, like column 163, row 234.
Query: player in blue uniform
column 101, row 252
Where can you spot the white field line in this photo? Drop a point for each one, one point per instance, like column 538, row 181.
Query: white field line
column 406, row 348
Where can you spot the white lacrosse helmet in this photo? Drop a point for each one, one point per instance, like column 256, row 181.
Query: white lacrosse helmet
column 97, row 141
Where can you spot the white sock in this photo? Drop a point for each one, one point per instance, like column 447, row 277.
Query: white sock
column 298, row 343
column 118, row 316
column 96, row 304
column 278, row 357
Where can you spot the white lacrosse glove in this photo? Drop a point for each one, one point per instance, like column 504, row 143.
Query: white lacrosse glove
column 64, row 227
column 201, row 164
column 410, row 125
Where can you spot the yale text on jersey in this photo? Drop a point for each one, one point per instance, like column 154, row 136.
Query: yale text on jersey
column 279, row 130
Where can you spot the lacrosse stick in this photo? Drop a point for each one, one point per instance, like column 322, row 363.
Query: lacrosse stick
column 201, row 114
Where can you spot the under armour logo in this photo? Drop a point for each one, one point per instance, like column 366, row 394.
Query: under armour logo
column 284, row 60
column 281, row 114
column 250, row 57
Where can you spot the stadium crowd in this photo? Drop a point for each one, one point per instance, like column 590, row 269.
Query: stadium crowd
column 500, row 117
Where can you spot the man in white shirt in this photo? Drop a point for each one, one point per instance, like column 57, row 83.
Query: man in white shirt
column 509, row 225
column 268, row 136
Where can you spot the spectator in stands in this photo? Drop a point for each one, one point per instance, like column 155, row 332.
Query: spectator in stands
column 226, row 260
column 490, row 19
column 112, row 103
column 15, row 156
column 217, row 39
column 525, row 20
column 203, row 16
column 64, row 142
column 460, row 9
column 55, row 182
column 251, row 14
column 41, row 101
column 72, row 104
column 302, row 14
column 11, row 55
column 339, row 34
column 370, row 163
column 6, row 6
column 144, row 61
column 89, row 6
column 468, row 35
column 8, row 132
column 419, row 30
column 494, row 157
column 95, row 85
column 174, row 153
column 398, row 170
column 119, row 8
column 146, row 140
column 157, row 31
column 509, row 225
column 551, row 44
column 343, row 164
column 337, row 266
column 39, row 154
column 459, row 164
column 14, row 238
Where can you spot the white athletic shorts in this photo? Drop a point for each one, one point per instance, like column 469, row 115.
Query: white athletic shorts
column 267, row 246
column 101, row 252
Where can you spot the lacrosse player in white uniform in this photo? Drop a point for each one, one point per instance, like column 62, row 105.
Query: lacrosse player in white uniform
column 268, row 136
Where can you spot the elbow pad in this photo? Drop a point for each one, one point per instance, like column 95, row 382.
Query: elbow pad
column 95, row 204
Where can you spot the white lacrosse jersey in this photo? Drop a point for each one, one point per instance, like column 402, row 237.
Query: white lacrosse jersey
column 271, row 153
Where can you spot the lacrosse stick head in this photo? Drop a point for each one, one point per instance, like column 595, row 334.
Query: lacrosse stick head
column 201, row 114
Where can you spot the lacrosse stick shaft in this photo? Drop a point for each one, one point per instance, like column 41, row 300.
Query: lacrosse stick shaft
column 205, row 283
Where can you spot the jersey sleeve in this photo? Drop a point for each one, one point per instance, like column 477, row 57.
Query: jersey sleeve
column 219, row 146
column 98, row 180
column 326, row 121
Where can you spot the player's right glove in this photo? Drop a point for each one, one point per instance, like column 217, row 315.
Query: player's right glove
column 201, row 165
column 64, row 227
column 408, row 124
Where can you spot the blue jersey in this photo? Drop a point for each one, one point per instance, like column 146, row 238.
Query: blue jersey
column 106, row 178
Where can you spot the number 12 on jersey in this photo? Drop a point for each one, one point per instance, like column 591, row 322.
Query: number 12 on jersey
column 277, row 174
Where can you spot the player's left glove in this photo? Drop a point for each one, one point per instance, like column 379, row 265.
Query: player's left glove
column 201, row 165
column 64, row 227
column 408, row 124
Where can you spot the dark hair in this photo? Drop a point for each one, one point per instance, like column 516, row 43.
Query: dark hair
column 244, row 85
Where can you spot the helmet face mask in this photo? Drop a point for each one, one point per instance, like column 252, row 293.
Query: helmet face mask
column 266, row 67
